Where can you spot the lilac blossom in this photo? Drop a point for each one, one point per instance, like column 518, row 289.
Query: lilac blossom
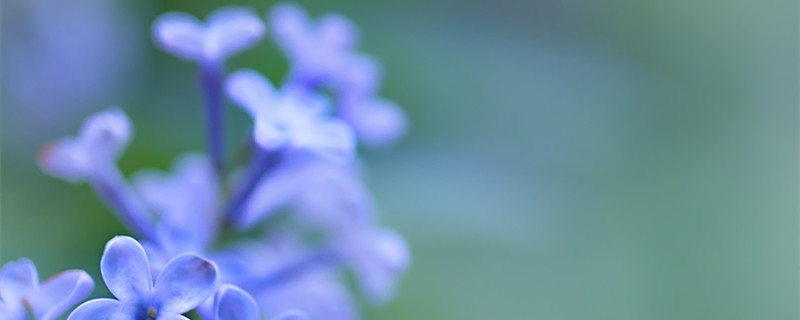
column 288, row 121
column 377, row 257
column 227, row 31
column 21, row 291
column 186, row 201
column 318, row 52
column 233, row 303
column 291, row 118
column 186, row 281
column 91, row 157
column 322, row 54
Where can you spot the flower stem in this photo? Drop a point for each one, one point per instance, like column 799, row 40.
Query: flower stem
column 112, row 189
column 263, row 163
column 211, row 77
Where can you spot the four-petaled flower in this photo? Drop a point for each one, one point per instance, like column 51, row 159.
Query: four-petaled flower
column 227, row 31
column 102, row 138
column 185, row 282
column 22, row 292
column 292, row 118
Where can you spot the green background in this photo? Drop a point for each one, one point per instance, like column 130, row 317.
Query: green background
column 569, row 159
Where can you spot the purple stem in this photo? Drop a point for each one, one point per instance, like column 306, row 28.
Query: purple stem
column 112, row 189
column 264, row 162
column 211, row 77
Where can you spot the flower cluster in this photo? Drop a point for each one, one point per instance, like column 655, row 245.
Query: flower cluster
column 296, row 218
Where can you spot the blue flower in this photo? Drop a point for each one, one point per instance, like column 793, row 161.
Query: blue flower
column 187, row 201
column 91, row 157
column 233, row 303
column 102, row 138
column 186, row 281
column 293, row 118
column 317, row 51
column 377, row 257
column 227, row 31
column 20, row 289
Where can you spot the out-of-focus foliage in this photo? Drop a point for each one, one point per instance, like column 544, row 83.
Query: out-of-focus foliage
column 565, row 160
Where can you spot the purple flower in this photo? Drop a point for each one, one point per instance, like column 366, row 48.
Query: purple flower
column 186, row 281
column 323, row 53
column 233, row 303
column 293, row 118
column 187, row 201
column 102, row 138
column 377, row 257
column 227, row 31
column 20, row 290
column 317, row 51
column 91, row 156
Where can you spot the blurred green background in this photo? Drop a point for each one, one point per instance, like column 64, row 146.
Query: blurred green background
column 568, row 159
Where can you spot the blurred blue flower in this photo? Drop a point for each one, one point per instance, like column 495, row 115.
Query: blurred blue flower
column 291, row 118
column 233, row 303
column 92, row 157
column 377, row 257
column 102, row 138
column 323, row 54
column 21, row 291
column 186, row 200
column 226, row 31
column 186, row 281
column 317, row 51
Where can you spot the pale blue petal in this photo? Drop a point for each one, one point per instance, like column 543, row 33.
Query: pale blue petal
column 172, row 317
column 384, row 258
column 332, row 139
column 125, row 269
column 271, row 134
column 233, row 303
column 291, row 315
column 17, row 279
column 60, row 292
column 288, row 22
column 105, row 134
column 377, row 122
column 180, row 34
column 230, row 30
column 252, row 91
column 338, row 31
column 102, row 309
column 66, row 159
column 184, row 283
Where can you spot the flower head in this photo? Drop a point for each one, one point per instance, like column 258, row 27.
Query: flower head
column 20, row 289
column 292, row 118
column 318, row 51
column 227, row 31
column 102, row 138
column 183, row 284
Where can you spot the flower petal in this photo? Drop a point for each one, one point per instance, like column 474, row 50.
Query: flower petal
column 60, row 292
column 231, row 29
column 378, row 122
column 288, row 22
column 233, row 303
column 184, row 283
column 252, row 91
column 338, row 31
column 291, row 315
column 66, row 159
column 17, row 279
column 105, row 134
column 102, row 309
column 332, row 139
column 180, row 34
column 125, row 269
